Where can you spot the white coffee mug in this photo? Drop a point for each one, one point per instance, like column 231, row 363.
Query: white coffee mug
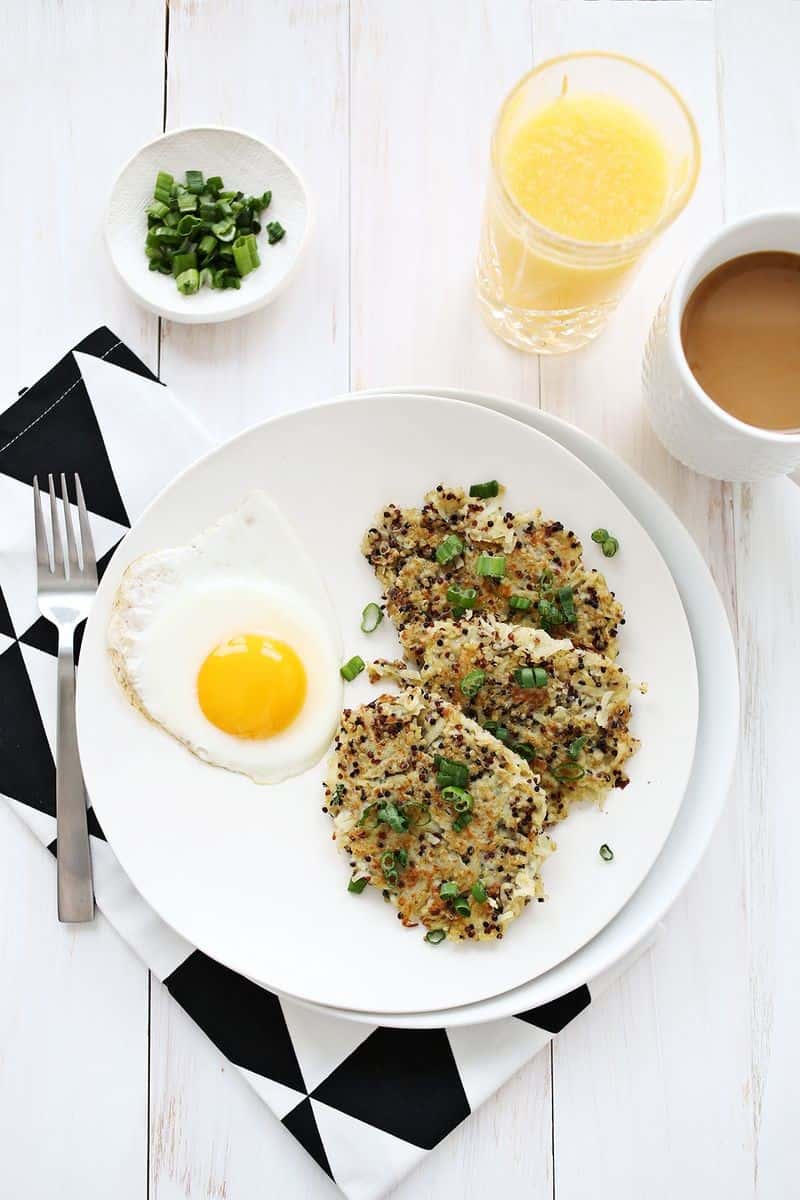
column 688, row 422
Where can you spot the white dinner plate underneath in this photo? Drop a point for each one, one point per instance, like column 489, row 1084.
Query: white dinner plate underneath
column 249, row 874
column 715, row 752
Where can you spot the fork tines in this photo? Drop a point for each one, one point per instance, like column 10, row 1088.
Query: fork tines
column 80, row 559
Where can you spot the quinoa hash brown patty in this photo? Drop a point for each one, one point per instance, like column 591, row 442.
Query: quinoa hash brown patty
column 541, row 558
column 437, row 814
column 573, row 728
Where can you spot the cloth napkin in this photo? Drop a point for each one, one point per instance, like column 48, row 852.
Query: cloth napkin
column 367, row 1103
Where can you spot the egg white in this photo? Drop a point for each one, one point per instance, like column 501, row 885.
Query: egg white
column 247, row 573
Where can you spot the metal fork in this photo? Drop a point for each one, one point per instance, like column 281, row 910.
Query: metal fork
column 66, row 588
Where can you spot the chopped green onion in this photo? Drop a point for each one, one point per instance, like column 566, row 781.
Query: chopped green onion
column 163, row 188
column 245, row 254
column 371, row 617
column 606, row 853
column 158, row 210
column 459, row 798
column 200, row 218
column 352, row 667
column 337, row 795
column 576, row 747
column 369, row 818
column 472, row 682
column 531, row 677
column 519, row 602
column 461, row 907
column 567, row 602
column 435, row 936
column 392, row 878
column 387, row 861
column 462, row 821
column 357, row 885
column 224, row 230
column 187, row 202
column 462, row 597
column 390, row 814
column 416, row 814
column 449, row 549
column 188, row 282
column 275, row 232
column 549, row 613
column 499, row 731
column 164, row 235
column 524, row 750
column 402, row 857
column 479, row 892
column 187, row 225
column 491, row 565
column 450, row 773
column 546, row 582
column 600, row 536
column 485, row 490
column 568, row 772
column 448, row 891
column 183, row 262
column 206, row 246
column 610, row 547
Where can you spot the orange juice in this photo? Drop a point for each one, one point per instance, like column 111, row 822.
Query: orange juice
column 588, row 167
column 583, row 179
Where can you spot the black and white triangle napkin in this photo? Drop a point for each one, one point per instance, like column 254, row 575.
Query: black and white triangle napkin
column 366, row 1103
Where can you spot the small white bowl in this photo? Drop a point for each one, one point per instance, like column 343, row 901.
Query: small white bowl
column 245, row 163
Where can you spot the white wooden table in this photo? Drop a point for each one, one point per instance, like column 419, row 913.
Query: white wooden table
column 683, row 1081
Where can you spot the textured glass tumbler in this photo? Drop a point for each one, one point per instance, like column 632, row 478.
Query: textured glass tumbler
column 539, row 290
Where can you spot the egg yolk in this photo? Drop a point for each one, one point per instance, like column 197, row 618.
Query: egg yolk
column 251, row 686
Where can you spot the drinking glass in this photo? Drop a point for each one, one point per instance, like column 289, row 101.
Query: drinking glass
column 538, row 289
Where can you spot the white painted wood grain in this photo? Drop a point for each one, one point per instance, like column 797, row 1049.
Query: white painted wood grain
column 760, row 129
column 80, row 92
column 287, row 83
column 427, row 80
column 211, row 1138
column 73, row 1042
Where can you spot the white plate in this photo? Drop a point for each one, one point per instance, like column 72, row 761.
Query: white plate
column 715, row 753
column 244, row 162
column 249, row 874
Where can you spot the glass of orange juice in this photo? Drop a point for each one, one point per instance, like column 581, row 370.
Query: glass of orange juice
column 593, row 156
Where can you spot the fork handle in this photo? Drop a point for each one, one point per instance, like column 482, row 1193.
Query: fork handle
column 75, row 893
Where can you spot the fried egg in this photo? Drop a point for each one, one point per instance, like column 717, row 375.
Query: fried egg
column 230, row 644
